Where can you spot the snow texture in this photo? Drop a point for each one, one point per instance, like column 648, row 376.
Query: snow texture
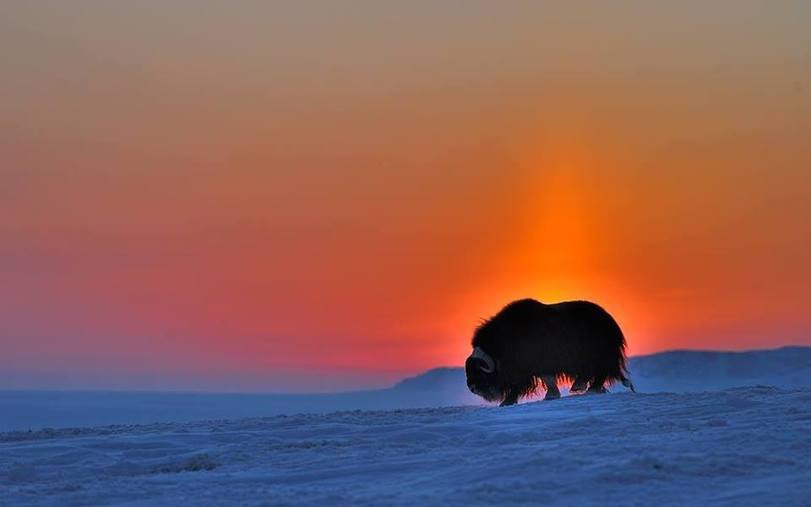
column 703, row 443
column 744, row 446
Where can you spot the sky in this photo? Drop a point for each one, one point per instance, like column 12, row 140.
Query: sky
column 317, row 196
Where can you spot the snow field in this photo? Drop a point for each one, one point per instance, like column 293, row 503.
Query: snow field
column 740, row 446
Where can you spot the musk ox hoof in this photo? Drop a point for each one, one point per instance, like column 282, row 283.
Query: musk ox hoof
column 578, row 388
column 597, row 390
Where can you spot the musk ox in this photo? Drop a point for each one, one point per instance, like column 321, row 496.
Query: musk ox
column 530, row 343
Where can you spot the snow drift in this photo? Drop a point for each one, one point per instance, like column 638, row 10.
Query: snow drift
column 745, row 446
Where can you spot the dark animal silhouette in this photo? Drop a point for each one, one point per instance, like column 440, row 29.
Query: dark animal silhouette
column 530, row 343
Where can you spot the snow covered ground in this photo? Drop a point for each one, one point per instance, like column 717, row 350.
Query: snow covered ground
column 24, row 410
column 744, row 446
column 702, row 443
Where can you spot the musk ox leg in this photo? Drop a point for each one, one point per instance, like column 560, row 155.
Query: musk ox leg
column 580, row 385
column 552, row 391
column 627, row 383
column 511, row 398
column 597, row 385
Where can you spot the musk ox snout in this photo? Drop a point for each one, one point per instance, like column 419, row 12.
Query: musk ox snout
column 482, row 379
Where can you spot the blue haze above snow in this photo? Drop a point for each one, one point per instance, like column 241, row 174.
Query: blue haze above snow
column 676, row 371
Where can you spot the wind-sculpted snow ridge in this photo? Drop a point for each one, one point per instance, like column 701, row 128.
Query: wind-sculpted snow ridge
column 738, row 447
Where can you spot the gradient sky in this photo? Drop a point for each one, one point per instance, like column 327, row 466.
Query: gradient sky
column 295, row 196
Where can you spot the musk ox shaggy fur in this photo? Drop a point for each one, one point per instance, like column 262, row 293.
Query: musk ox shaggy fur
column 529, row 343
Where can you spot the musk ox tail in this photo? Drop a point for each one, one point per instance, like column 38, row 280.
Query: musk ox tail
column 624, row 376
column 627, row 383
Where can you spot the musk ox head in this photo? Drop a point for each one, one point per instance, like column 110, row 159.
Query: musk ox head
column 483, row 378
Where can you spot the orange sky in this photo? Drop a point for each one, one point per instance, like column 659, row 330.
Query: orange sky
column 243, row 195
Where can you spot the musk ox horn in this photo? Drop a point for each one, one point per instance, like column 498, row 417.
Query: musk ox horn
column 489, row 365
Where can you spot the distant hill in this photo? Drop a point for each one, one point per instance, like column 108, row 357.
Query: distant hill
column 694, row 370
column 672, row 371
column 443, row 378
